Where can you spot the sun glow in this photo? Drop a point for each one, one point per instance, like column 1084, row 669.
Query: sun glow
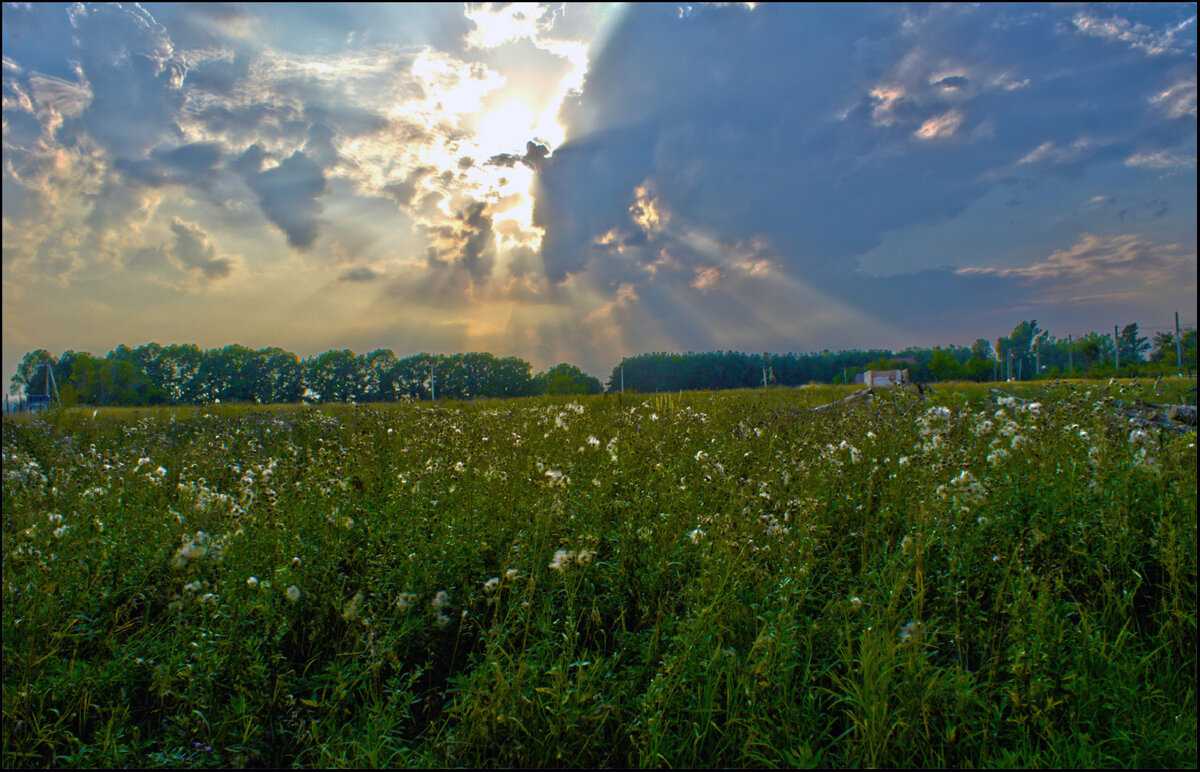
column 507, row 128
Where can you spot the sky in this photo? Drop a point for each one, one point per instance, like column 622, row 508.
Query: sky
column 582, row 183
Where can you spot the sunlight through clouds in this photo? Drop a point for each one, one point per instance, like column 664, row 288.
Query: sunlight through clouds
column 577, row 182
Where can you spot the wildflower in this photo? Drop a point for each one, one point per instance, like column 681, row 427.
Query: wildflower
column 293, row 593
column 352, row 609
column 856, row 602
column 491, row 584
column 696, row 536
column 442, row 620
column 595, row 443
column 564, row 558
column 252, row 582
column 441, row 600
column 906, row 632
column 405, row 601
column 907, row 544
column 194, row 548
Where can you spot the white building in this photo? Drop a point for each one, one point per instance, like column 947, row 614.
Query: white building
column 881, row 378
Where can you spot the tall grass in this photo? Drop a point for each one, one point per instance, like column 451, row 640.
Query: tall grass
column 682, row 580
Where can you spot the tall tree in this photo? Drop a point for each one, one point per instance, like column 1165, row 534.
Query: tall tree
column 1019, row 344
column 31, row 376
column 1132, row 346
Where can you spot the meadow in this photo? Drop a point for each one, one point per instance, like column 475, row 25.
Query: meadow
column 967, row 579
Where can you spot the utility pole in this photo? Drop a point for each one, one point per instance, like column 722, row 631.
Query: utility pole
column 54, row 382
column 1071, row 354
column 1117, row 349
column 1178, row 345
column 432, row 385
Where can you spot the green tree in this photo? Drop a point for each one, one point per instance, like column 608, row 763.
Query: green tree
column 1132, row 346
column 1094, row 349
column 1020, row 345
column 31, row 376
column 944, row 367
column 568, row 379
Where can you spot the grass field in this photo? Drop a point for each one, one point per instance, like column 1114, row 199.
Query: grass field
column 695, row 579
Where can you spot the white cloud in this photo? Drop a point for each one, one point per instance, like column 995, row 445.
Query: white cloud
column 1179, row 100
column 1162, row 159
column 1052, row 153
column 940, row 126
column 1099, row 258
column 1135, row 35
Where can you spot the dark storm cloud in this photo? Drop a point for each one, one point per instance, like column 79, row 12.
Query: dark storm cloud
column 822, row 128
column 187, row 164
column 360, row 275
column 469, row 242
column 404, row 191
column 953, row 81
column 535, row 153
column 287, row 193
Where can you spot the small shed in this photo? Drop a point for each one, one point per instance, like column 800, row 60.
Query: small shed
column 881, row 378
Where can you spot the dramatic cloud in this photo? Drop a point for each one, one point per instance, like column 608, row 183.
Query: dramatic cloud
column 582, row 182
column 196, row 249
column 287, row 192
column 1096, row 259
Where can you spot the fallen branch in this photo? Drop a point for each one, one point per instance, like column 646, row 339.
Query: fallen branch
column 1147, row 413
column 858, row 396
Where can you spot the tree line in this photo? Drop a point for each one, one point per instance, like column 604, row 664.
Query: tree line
column 186, row 374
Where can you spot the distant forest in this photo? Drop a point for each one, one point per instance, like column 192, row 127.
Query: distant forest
column 188, row 375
